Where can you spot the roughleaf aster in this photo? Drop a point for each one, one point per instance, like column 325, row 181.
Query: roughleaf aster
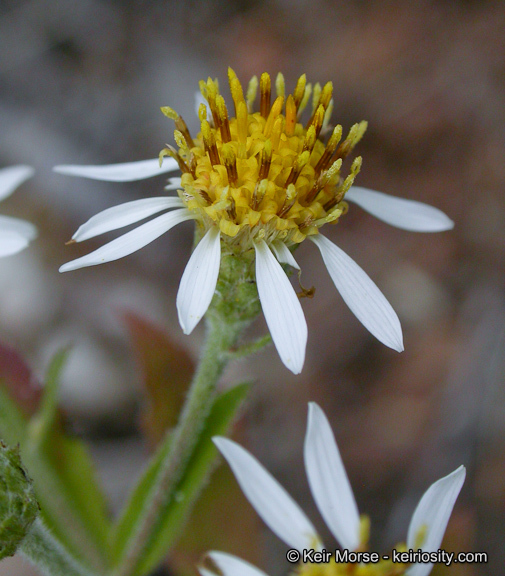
column 332, row 492
column 258, row 182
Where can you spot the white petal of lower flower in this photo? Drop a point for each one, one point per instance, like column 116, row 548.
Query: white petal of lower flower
column 230, row 566
column 131, row 241
column 125, row 172
column 361, row 295
column 11, row 242
column 282, row 309
column 328, row 480
column 275, row 506
column 399, row 212
column 18, row 226
column 124, row 215
column 432, row 515
column 12, row 177
column 198, row 283
column 283, row 254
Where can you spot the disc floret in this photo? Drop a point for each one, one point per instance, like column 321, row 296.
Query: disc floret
column 262, row 175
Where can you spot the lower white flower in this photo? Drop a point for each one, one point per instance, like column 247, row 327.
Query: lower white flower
column 263, row 183
column 332, row 492
column 15, row 234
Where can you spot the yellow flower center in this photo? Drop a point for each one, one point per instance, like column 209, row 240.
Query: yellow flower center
column 264, row 175
column 370, row 567
column 346, row 563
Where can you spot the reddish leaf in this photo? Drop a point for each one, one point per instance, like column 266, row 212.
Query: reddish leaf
column 19, row 381
column 166, row 373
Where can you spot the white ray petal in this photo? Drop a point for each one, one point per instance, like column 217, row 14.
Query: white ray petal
column 230, row 566
column 12, row 177
column 283, row 254
column 173, row 184
column 18, row 226
column 282, row 309
column 125, row 172
column 275, row 506
column 362, row 296
column 432, row 515
column 124, row 215
column 11, row 242
column 328, row 480
column 198, row 283
column 131, row 241
column 400, row 212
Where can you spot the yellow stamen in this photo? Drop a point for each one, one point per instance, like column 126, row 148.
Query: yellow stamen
column 252, row 88
column 276, row 132
column 259, row 193
column 310, row 139
column 266, row 159
column 180, row 141
column 290, row 116
column 230, row 162
column 209, row 141
column 265, row 94
column 355, row 134
column 327, row 116
column 289, row 201
column 326, row 93
column 280, row 85
column 222, row 113
column 179, row 124
column 299, row 90
column 202, row 112
column 330, row 149
column 300, row 162
column 316, row 94
column 242, row 129
column 317, row 119
column 171, row 151
column 305, row 99
column 236, row 89
column 212, row 92
column 348, row 182
column 274, row 112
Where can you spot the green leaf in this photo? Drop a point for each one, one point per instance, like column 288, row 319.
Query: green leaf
column 18, row 505
column 72, row 505
column 67, row 478
column 178, row 505
column 13, row 424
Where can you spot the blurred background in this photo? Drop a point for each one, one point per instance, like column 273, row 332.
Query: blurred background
column 82, row 82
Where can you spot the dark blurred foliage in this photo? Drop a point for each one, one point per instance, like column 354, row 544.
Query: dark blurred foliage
column 82, row 82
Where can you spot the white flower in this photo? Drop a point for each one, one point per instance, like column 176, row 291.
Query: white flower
column 15, row 234
column 332, row 492
column 260, row 182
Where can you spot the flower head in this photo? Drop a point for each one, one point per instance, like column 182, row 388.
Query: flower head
column 15, row 234
column 259, row 182
column 332, row 492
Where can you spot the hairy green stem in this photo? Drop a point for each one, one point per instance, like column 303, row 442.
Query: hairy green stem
column 220, row 337
column 42, row 549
